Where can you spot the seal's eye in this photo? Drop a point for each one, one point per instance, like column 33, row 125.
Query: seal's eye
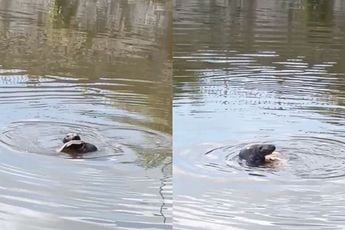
column 260, row 148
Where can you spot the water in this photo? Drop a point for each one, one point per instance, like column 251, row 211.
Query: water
column 101, row 69
column 259, row 72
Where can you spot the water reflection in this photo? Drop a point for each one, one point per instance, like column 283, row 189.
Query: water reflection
column 97, row 44
column 258, row 71
column 101, row 69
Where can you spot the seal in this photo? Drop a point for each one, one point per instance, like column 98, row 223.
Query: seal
column 257, row 154
column 74, row 145
column 70, row 137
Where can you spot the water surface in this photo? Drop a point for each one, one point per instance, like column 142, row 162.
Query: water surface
column 259, row 72
column 101, row 69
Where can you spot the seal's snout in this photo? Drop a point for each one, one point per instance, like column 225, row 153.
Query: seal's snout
column 70, row 137
column 267, row 149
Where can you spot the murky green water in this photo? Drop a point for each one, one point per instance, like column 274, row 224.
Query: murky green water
column 259, row 71
column 99, row 68
column 244, row 71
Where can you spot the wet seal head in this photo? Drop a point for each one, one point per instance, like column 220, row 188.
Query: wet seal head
column 70, row 137
column 73, row 145
column 255, row 155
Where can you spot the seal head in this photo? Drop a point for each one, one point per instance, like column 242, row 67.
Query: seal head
column 73, row 145
column 254, row 155
column 70, row 137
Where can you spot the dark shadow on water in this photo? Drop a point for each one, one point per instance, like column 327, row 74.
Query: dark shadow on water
column 64, row 11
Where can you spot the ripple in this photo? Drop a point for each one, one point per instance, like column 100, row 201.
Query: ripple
column 306, row 157
column 115, row 141
column 19, row 87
